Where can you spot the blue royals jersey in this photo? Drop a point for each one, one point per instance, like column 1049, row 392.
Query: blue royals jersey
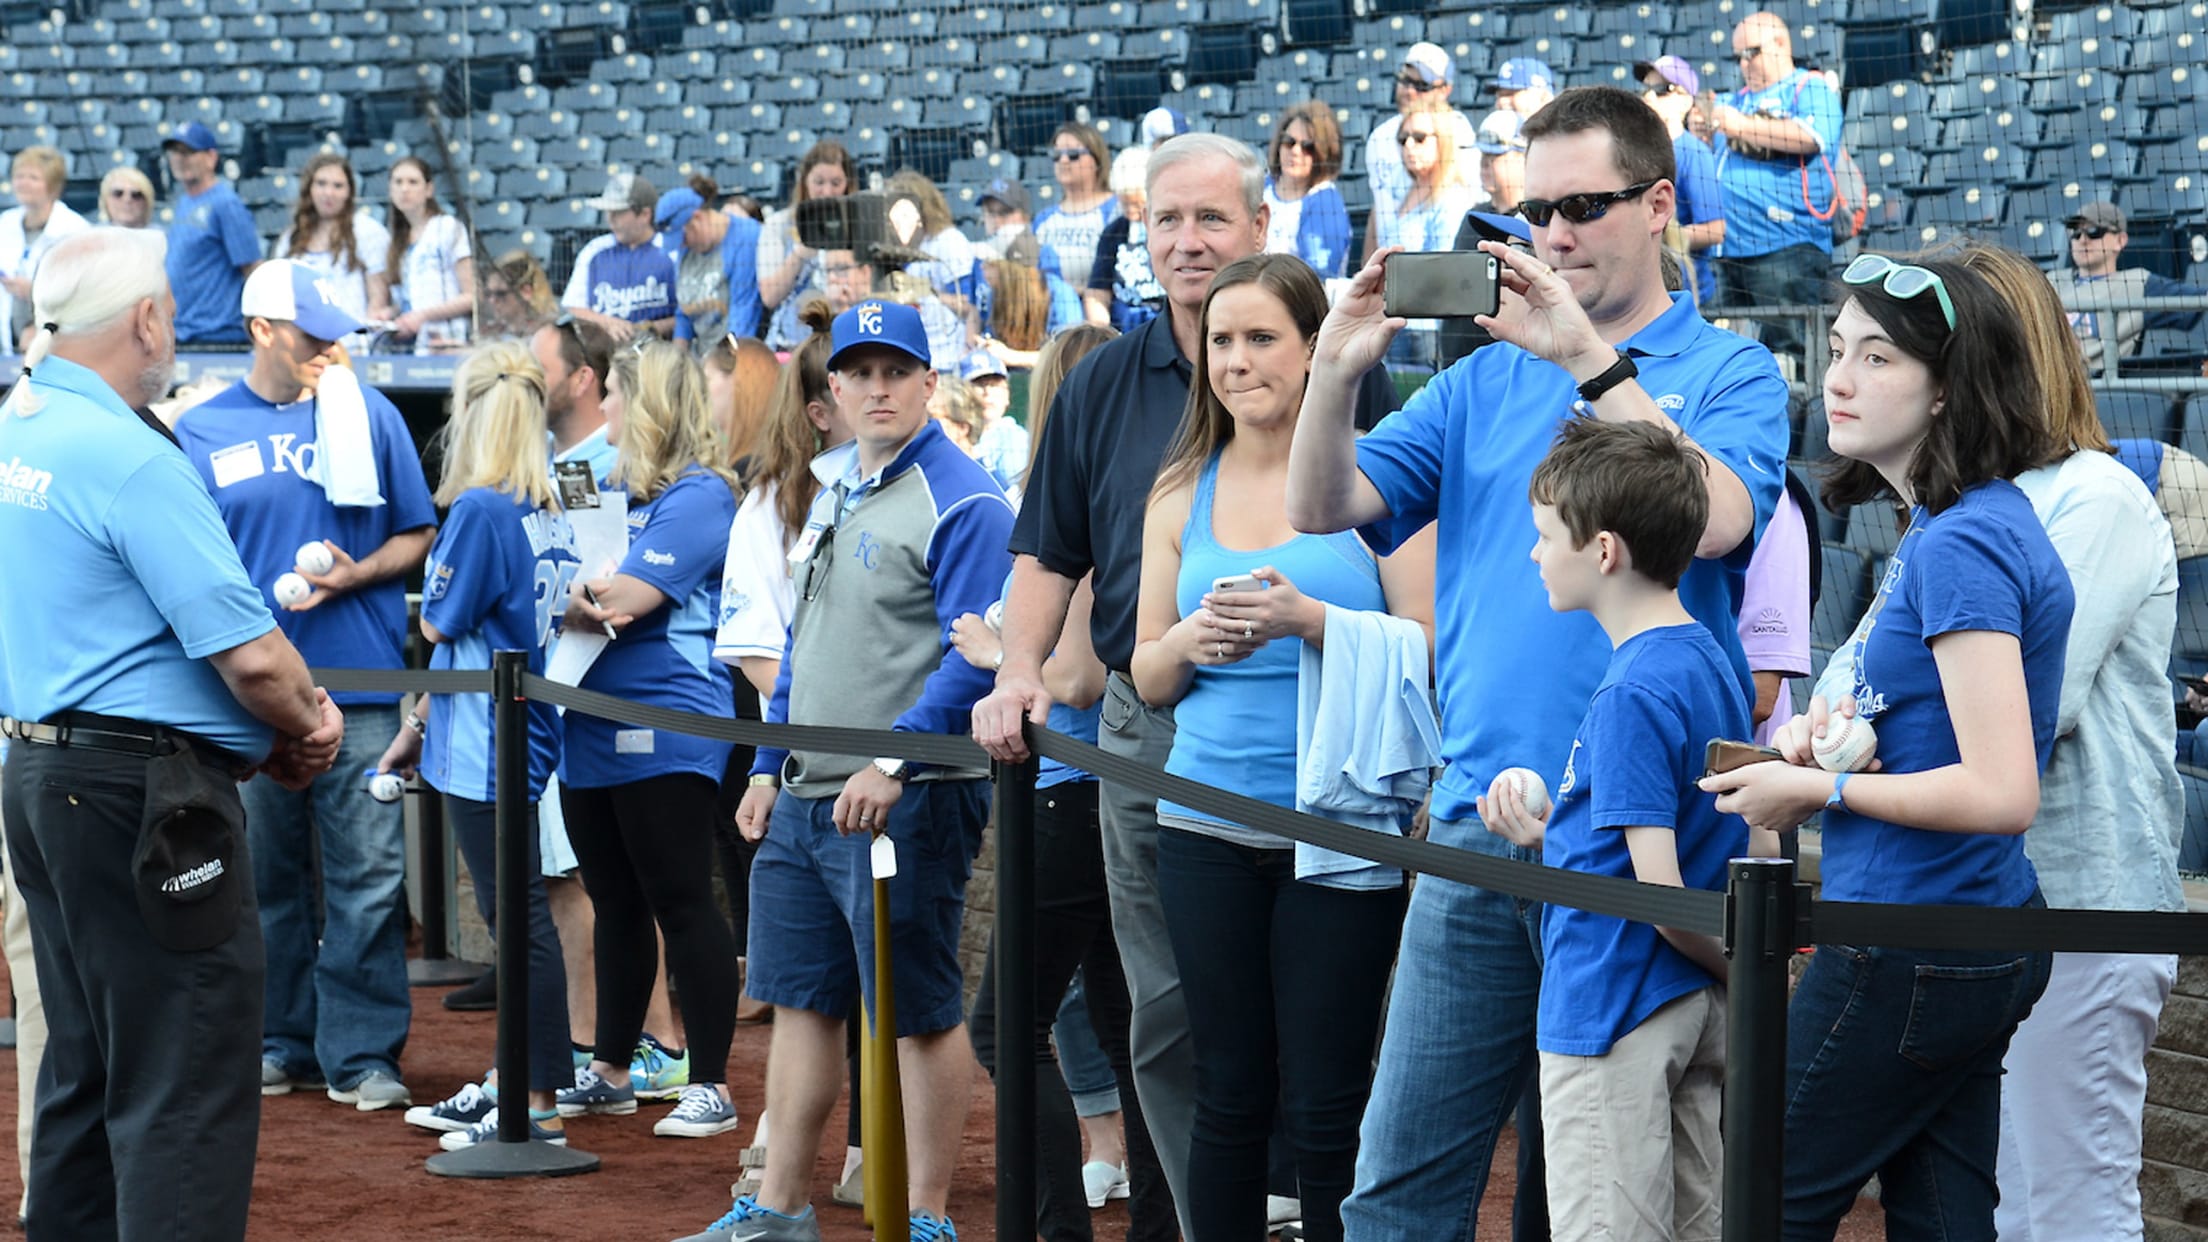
column 636, row 283
column 256, row 459
column 498, row 575
column 678, row 542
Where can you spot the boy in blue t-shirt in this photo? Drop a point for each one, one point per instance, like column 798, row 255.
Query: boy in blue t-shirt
column 1631, row 1026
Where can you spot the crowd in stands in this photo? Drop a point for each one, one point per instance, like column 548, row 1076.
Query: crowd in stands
column 724, row 471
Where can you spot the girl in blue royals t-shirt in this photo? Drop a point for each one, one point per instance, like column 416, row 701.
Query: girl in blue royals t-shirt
column 495, row 580
column 639, row 802
column 1894, row 1055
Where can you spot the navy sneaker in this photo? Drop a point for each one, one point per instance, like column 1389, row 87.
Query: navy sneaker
column 467, row 1106
column 592, row 1094
column 486, row 1131
column 701, row 1113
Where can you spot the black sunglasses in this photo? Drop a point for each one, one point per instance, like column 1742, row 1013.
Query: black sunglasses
column 1409, row 136
column 2090, row 233
column 1298, row 144
column 140, row 195
column 1579, row 208
column 1067, row 155
column 1416, row 83
column 1748, row 53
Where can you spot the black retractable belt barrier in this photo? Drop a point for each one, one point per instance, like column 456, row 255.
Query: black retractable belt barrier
column 513, row 1154
column 1764, row 917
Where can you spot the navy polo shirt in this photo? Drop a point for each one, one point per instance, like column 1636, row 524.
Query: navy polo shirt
column 1090, row 485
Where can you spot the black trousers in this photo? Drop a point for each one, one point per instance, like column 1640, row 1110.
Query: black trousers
column 149, row 1102
column 1073, row 930
column 646, row 850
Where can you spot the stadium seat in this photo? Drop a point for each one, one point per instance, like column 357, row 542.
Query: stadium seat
column 2168, row 159
column 2106, row 54
column 714, row 152
column 2006, row 56
column 554, row 123
column 559, row 215
column 1981, row 93
column 533, row 182
column 1843, row 593
column 2073, row 90
column 1967, row 207
column 2179, row 196
column 2112, row 22
column 951, row 53
column 1874, row 528
column 2135, row 415
column 2103, row 159
column 1045, row 18
column 637, row 151
column 1984, row 129
column 788, row 89
column 2191, row 640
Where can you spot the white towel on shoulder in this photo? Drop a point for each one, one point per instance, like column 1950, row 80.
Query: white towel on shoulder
column 345, row 449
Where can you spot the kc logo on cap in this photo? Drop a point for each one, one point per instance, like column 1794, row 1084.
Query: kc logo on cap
column 891, row 325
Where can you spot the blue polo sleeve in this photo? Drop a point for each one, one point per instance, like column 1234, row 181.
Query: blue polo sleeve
column 1741, row 421
column 235, row 225
column 465, row 579
column 685, row 539
column 399, row 465
column 1402, row 458
column 1701, row 199
column 165, row 527
column 967, row 565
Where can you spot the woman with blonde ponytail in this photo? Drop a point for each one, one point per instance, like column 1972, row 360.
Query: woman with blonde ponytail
column 498, row 570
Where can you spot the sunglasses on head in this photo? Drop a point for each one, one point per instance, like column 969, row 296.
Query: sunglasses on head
column 1902, row 280
column 2091, row 232
column 1579, row 208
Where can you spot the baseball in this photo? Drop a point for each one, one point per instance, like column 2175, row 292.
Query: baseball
column 1847, row 746
column 291, row 589
column 1532, row 790
column 314, row 558
column 385, row 786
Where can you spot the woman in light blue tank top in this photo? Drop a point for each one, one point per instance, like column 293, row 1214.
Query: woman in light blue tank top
column 1283, row 977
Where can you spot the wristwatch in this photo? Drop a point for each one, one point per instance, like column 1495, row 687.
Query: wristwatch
column 899, row 770
column 415, row 722
column 768, row 779
column 1615, row 374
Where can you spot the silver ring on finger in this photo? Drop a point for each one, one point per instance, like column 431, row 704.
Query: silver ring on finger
column 1249, row 629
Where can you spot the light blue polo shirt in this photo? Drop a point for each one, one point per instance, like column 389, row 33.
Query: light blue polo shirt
column 1515, row 677
column 137, row 581
column 1766, row 204
column 592, row 449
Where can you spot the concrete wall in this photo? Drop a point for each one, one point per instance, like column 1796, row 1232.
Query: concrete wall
column 2173, row 1185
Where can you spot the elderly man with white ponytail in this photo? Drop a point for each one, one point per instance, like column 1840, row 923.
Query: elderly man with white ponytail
column 138, row 684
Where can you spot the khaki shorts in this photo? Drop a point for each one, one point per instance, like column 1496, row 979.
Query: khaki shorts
column 1633, row 1141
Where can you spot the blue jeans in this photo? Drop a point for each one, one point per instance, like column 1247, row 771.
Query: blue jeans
column 1893, row 1067
column 475, row 829
column 1793, row 275
column 1456, row 1055
column 341, row 1006
column 1081, row 1060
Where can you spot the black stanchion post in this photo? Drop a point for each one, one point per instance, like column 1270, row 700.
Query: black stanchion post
column 513, row 1155
column 436, row 967
column 1016, row 998
column 1760, row 939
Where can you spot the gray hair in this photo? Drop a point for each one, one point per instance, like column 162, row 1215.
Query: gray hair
column 88, row 283
column 1183, row 148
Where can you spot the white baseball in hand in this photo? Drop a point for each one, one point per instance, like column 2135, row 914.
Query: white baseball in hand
column 314, row 558
column 1532, row 790
column 1847, row 746
column 292, row 589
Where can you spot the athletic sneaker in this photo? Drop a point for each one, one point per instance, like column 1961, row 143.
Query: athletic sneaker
column 1103, row 1180
column 657, row 1074
column 375, row 1090
column 701, row 1113
column 748, row 1222
column 926, row 1228
column 486, row 1131
column 592, row 1094
column 583, row 1057
column 467, row 1106
column 276, row 1080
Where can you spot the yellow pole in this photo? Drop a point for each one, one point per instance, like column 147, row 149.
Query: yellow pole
column 881, row 1085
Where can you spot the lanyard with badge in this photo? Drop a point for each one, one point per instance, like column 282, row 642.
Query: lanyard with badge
column 810, row 554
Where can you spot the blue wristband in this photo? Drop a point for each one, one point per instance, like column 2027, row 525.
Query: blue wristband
column 1840, row 782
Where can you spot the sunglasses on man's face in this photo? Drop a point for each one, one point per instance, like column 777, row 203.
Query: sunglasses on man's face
column 1747, row 54
column 1411, row 81
column 2088, row 232
column 1578, row 208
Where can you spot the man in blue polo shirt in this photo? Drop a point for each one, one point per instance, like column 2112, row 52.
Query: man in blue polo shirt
column 299, row 453
column 1585, row 320
column 212, row 244
column 623, row 281
column 139, row 679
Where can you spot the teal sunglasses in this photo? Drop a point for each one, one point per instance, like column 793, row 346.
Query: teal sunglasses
column 1903, row 280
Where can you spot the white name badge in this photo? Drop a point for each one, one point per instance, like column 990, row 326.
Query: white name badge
column 237, row 463
column 632, row 742
column 882, row 858
column 802, row 550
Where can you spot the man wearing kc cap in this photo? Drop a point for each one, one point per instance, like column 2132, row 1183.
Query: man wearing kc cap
column 908, row 534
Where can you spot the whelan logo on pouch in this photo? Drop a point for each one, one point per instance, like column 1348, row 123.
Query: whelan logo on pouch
column 185, row 881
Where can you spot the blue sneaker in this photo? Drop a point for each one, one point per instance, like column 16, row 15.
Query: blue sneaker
column 592, row 1094
column 748, row 1222
column 486, row 1131
column 926, row 1228
column 655, row 1074
column 701, row 1113
column 467, row 1106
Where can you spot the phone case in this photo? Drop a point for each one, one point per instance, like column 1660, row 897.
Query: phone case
column 1724, row 756
column 1447, row 284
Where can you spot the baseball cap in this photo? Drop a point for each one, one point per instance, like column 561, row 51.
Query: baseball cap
column 675, row 208
column 191, row 135
column 1159, row 124
column 290, row 292
column 1005, row 190
column 2101, row 215
column 981, row 365
column 1522, row 72
column 875, row 322
column 1502, row 131
column 1494, row 227
column 1671, row 69
column 1430, row 63
column 626, row 192
column 185, row 868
